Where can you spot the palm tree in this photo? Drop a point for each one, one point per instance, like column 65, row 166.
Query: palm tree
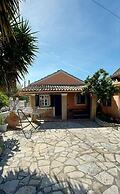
column 9, row 11
column 17, row 55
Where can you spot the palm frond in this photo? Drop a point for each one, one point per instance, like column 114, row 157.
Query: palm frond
column 17, row 54
column 9, row 10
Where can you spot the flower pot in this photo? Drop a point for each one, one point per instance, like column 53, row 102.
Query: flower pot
column 3, row 128
column 12, row 120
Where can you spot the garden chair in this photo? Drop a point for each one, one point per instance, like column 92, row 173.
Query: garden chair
column 27, row 133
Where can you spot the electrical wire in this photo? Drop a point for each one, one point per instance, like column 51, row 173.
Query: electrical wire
column 106, row 9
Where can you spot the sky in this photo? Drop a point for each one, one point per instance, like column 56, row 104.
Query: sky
column 77, row 36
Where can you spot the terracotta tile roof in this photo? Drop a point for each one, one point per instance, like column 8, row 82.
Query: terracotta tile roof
column 58, row 81
column 51, row 88
column 116, row 74
column 59, row 78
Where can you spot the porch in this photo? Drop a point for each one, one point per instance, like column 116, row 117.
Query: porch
column 62, row 106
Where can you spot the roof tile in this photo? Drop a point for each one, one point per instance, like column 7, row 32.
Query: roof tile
column 58, row 81
column 52, row 88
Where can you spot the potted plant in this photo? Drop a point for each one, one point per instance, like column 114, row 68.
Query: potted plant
column 3, row 125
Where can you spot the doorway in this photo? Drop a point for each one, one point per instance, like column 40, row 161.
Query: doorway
column 56, row 102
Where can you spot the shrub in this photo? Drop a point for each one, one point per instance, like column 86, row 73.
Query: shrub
column 24, row 98
column 2, row 121
column 4, row 100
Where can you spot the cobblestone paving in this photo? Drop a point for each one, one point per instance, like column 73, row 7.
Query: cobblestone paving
column 78, row 155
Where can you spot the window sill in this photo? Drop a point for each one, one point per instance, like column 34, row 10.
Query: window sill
column 45, row 107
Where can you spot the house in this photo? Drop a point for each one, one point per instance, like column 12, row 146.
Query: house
column 59, row 95
column 116, row 76
column 112, row 107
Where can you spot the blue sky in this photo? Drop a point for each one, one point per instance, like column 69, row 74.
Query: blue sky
column 74, row 35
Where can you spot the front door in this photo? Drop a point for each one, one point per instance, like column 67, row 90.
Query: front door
column 57, row 104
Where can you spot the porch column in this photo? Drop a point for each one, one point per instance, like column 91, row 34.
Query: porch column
column 64, row 106
column 32, row 100
column 32, row 105
column 93, row 106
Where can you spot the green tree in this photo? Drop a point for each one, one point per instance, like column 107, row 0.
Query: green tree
column 17, row 55
column 101, row 85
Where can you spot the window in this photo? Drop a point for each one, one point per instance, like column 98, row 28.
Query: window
column 80, row 99
column 44, row 100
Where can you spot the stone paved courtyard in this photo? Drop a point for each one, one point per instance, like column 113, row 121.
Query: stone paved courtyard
column 77, row 154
